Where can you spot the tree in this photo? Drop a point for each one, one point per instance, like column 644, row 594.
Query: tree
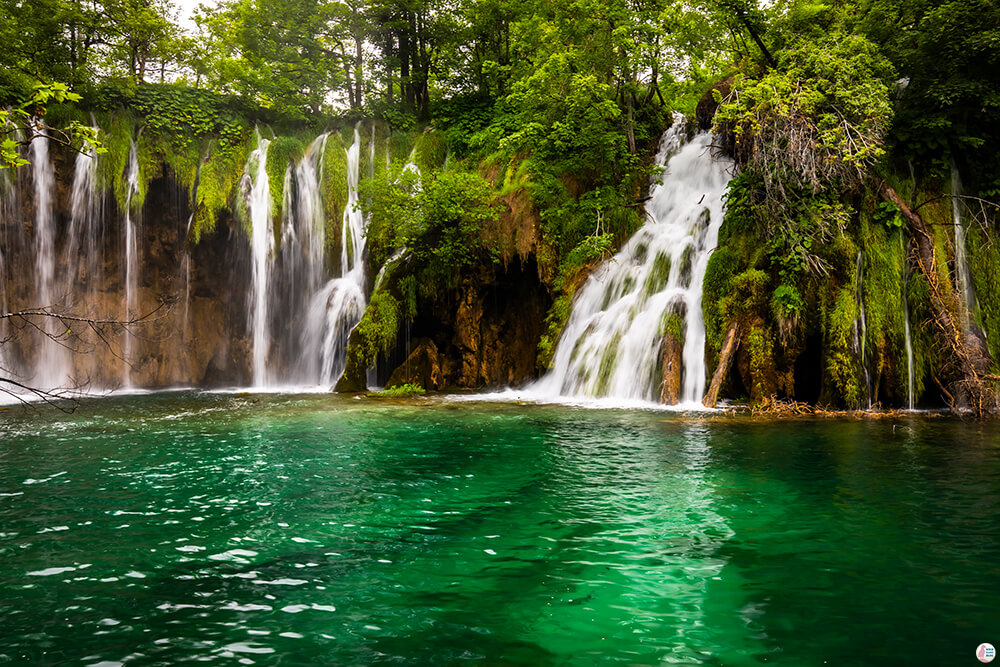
column 19, row 126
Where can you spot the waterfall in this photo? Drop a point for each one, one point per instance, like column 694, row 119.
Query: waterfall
column 337, row 307
column 82, row 253
column 53, row 359
column 300, row 268
column 860, row 331
column 371, row 156
column 611, row 343
column 963, row 279
column 131, row 257
column 8, row 197
column 255, row 181
column 910, row 380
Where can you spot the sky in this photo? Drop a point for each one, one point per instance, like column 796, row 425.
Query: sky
column 185, row 8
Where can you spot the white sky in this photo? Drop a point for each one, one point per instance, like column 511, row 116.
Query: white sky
column 185, row 8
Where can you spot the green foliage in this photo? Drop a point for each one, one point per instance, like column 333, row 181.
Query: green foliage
column 185, row 114
column 590, row 249
column 786, row 302
column 430, row 151
column 334, row 186
column 817, row 122
column 283, row 152
column 378, row 328
column 400, row 391
column 888, row 214
column 555, row 322
column 75, row 134
column 439, row 217
column 984, row 267
column 722, row 268
column 462, row 117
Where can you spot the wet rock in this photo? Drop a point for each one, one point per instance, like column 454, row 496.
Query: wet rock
column 671, row 366
column 422, row 367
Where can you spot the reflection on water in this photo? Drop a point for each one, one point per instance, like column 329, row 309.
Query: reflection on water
column 221, row 528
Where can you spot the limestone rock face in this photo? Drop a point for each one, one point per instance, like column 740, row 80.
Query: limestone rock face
column 422, row 367
column 190, row 298
column 485, row 333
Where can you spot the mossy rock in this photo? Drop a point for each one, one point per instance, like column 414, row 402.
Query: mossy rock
column 430, row 151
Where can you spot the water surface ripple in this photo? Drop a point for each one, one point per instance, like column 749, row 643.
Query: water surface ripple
column 306, row 530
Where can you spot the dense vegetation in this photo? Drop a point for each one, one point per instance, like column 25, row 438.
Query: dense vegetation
column 554, row 108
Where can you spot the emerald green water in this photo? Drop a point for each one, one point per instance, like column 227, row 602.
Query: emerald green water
column 316, row 530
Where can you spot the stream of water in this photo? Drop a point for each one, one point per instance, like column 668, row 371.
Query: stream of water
column 611, row 343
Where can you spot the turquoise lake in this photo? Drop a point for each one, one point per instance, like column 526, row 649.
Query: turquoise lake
column 321, row 530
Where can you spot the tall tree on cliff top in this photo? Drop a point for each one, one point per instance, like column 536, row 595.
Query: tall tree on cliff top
column 287, row 56
column 81, row 42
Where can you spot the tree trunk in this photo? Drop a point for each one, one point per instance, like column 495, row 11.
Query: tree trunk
column 358, row 62
column 729, row 345
column 671, row 365
column 969, row 365
column 630, row 122
column 348, row 75
column 405, row 92
column 387, row 61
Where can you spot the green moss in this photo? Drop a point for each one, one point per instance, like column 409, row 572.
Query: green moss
column 748, row 292
column 400, row 146
column 882, row 287
column 218, row 181
column 116, row 137
column 719, row 273
column 334, row 188
column 606, row 368
column 658, row 276
column 430, row 151
column 182, row 160
column 843, row 369
column 984, row 266
column 378, row 328
column 555, row 322
column 759, row 343
column 282, row 153
column 673, row 324
column 399, row 391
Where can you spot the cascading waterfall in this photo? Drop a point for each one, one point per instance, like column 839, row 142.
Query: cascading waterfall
column 910, row 380
column 300, row 267
column 338, row 306
column 53, row 359
column 258, row 187
column 611, row 342
column 963, row 279
column 860, row 331
column 82, row 253
column 131, row 257
column 7, row 205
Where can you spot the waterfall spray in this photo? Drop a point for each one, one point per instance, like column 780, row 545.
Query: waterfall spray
column 255, row 180
column 610, row 345
column 131, row 257
column 53, row 359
